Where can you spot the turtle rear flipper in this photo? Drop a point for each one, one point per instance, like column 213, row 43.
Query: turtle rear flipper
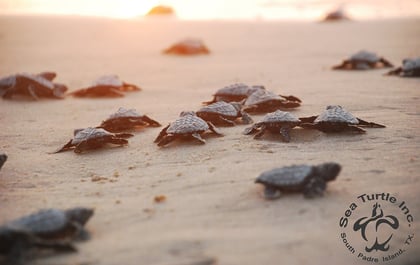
column 66, row 147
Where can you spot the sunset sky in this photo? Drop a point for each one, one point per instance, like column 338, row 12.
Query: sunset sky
column 215, row 9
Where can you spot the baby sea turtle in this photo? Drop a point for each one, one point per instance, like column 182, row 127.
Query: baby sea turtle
column 311, row 180
column 263, row 101
column 34, row 86
column 232, row 93
column 188, row 47
column 3, row 158
column 106, row 86
column 336, row 119
column 93, row 138
column 46, row 229
column 409, row 68
column 336, row 15
column 127, row 119
column 276, row 122
column 223, row 113
column 188, row 125
column 363, row 60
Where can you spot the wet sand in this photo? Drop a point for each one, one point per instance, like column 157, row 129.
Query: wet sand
column 213, row 212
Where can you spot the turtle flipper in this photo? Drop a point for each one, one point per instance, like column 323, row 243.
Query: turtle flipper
column 251, row 130
column 31, row 92
column 314, row 188
column 161, row 134
column 261, row 132
column 310, row 119
column 66, row 147
column 214, row 129
column 151, row 122
column 285, row 133
column 271, row 193
column 124, row 135
column 291, row 98
column 198, row 137
column 386, row 63
column 343, row 65
column 396, row 71
column 166, row 139
column 118, row 141
column 226, row 121
column 353, row 128
column 129, row 87
column 246, row 118
column 370, row 124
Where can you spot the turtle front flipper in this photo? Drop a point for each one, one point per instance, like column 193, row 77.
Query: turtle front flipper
column 129, row 87
column 161, row 134
column 285, row 133
column 166, row 139
column 344, row 65
column 31, row 92
column 263, row 128
column 246, row 118
column 396, row 71
column 386, row 63
column 56, row 245
column 291, row 98
column 151, row 122
column 251, row 130
column 198, row 137
column 118, row 141
column 314, row 188
column 370, row 124
column 271, row 193
column 223, row 120
column 66, row 147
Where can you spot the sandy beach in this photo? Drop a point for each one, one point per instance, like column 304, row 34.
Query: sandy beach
column 213, row 212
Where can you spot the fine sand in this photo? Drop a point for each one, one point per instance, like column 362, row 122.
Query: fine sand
column 213, row 212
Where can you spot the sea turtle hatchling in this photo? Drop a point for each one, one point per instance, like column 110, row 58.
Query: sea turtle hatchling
column 188, row 47
column 233, row 93
column 3, row 158
column 363, row 60
column 337, row 119
column 33, row 86
column 46, row 229
column 263, row 101
column 409, row 68
column 106, row 86
column 126, row 119
column 223, row 113
column 93, row 138
column 277, row 122
column 310, row 180
column 188, row 125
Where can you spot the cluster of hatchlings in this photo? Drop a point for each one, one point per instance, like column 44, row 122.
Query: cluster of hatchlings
column 56, row 229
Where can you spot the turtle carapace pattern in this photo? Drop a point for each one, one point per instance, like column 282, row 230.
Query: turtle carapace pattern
column 93, row 138
column 126, row 119
column 276, row 122
column 188, row 126
column 223, row 113
column 310, row 180
column 188, row 47
column 363, row 60
column 337, row 119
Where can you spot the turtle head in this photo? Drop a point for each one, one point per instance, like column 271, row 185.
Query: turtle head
column 79, row 214
column 3, row 158
column 185, row 113
column 329, row 171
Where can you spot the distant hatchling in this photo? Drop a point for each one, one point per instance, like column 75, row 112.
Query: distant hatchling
column 309, row 180
column 233, row 93
column 32, row 86
column 263, row 101
column 280, row 122
column 223, row 113
column 363, row 60
column 93, row 138
column 127, row 119
column 187, row 126
column 52, row 229
column 337, row 119
column 3, row 158
column 106, row 86
column 409, row 68
column 188, row 47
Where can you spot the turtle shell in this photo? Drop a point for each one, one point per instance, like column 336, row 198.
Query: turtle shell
column 108, row 80
column 279, row 116
column 187, row 123
column 260, row 96
column 125, row 113
column 237, row 89
column 336, row 114
column 286, row 177
column 43, row 222
column 221, row 108
column 411, row 64
column 365, row 56
column 39, row 80
column 89, row 133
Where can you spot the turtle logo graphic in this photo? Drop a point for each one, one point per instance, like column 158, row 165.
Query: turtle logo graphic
column 377, row 220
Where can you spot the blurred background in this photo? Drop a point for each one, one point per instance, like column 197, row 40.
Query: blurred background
column 218, row 9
